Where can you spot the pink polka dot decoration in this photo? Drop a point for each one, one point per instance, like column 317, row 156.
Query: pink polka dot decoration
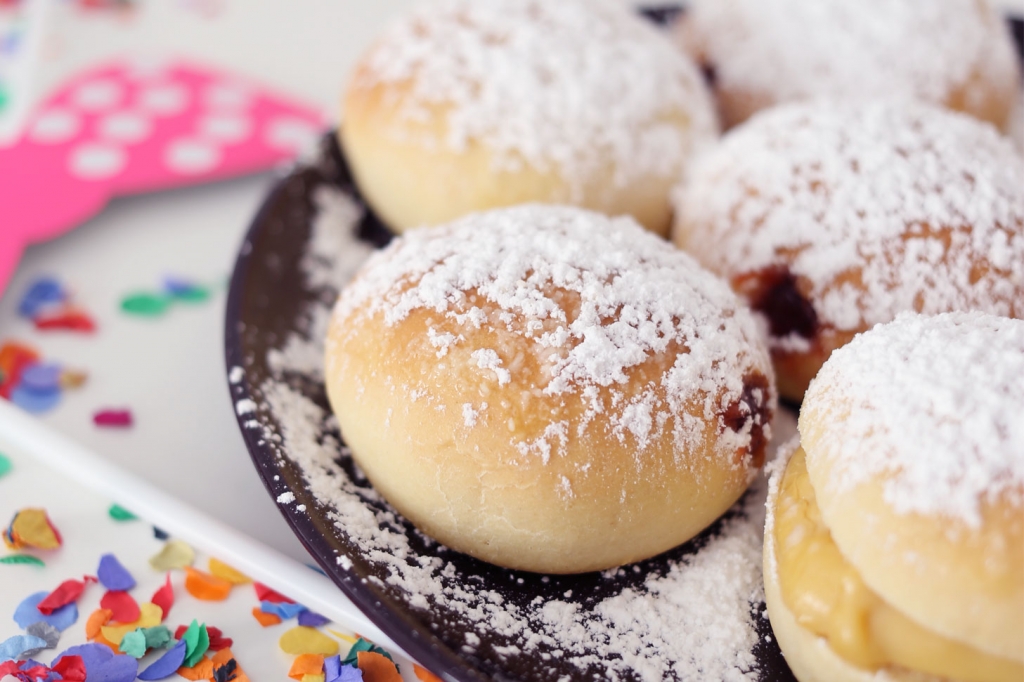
column 121, row 129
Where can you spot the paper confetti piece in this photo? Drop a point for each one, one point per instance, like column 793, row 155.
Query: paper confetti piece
column 45, row 632
column 197, row 640
column 303, row 640
column 203, row 670
column 157, row 636
column 67, row 320
column 42, row 292
column 20, row 647
column 119, row 513
column 26, row 614
column 145, row 304
column 221, row 570
column 150, row 615
column 27, row 559
column 93, row 656
column 32, row 528
column 347, row 673
column 264, row 593
column 185, row 291
column 133, row 644
column 360, row 646
column 97, row 619
column 5, row 465
column 311, row 619
column 14, row 357
column 226, row 668
column 342, row 636
column 424, row 675
column 41, row 377
column 67, row 592
column 313, row 678
column 164, row 597
column 377, row 668
column 166, row 665
column 284, row 611
column 113, row 575
column 160, row 534
column 175, row 554
column 265, row 619
column 122, row 605
column 217, row 639
column 34, row 402
column 100, row 639
column 112, row 418
column 118, row 668
column 206, row 587
column 72, row 378
column 70, row 668
column 306, row 664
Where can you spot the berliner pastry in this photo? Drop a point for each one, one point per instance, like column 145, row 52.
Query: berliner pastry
column 758, row 53
column 468, row 105
column 549, row 389
column 894, row 542
column 832, row 218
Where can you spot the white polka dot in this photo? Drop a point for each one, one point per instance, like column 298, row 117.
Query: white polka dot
column 227, row 96
column 97, row 95
column 165, row 100
column 291, row 134
column 54, row 126
column 189, row 156
column 124, row 126
column 225, row 128
column 95, row 161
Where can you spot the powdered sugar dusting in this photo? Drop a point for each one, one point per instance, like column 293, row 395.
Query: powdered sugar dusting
column 878, row 208
column 797, row 49
column 935, row 405
column 591, row 298
column 562, row 85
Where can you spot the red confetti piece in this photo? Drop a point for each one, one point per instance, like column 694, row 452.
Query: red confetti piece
column 71, row 668
column 14, row 357
column 70, row 320
column 122, row 606
column 164, row 597
column 67, row 592
column 112, row 418
column 264, row 593
column 217, row 639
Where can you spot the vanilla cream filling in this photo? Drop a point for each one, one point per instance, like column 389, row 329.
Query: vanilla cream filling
column 827, row 596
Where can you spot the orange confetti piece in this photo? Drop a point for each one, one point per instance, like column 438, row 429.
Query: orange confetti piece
column 97, row 619
column 203, row 670
column 423, row 674
column 221, row 570
column 265, row 619
column 222, row 657
column 377, row 668
column 206, row 587
column 100, row 639
column 306, row 664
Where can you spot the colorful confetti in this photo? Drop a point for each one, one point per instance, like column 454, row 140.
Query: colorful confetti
column 203, row 670
column 175, row 554
column 144, row 304
column 377, row 667
column 113, row 418
column 20, row 647
column 284, row 611
column 157, row 636
column 303, row 640
column 70, row 668
column 26, row 614
column 360, row 646
column 101, row 663
column 306, row 664
column 119, row 513
column 113, row 575
column 73, row 378
column 265, row 619
column 221, row 570
column 97, row 619
column 133, row 643
column 206, row 587
column 184, row 290
column 164, row 597
column 5, row 465
column 123, row 607
column 311, row 619
column 32, row 528
column 66, row 593
column 43, row 292
column 149, row 616
column 45, row 632
column 34, row 402
column 197, row 642
column 72, row 320
column 217, row 639
column 264, row 593
column 226, row 668
column 24, row 559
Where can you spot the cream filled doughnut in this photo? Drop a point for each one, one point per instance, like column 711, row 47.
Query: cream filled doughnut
column 831, row 218
column 953, row 53
column 894, row 545
column 549, row 389
column 466, row 105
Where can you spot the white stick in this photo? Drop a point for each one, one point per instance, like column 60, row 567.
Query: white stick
column 261, row 563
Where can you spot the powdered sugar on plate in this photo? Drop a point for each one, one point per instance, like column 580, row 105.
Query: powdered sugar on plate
column 878, row 208
column 564, row 86
column 935, row 406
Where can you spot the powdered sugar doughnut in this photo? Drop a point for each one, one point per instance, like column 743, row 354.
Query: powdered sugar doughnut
column 832, row 218
column 468, row 105
column 894, row 545
column 549, row 389
column 955, row 53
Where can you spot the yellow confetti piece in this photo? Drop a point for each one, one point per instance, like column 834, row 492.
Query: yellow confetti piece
column 302, row 640
column 32, row 528
column 313, row 678
column 342, row 636
column 175, row 554
column 150, row 615
column 221, row 570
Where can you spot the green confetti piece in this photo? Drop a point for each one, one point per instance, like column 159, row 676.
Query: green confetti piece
column 25, row 559
column 134, row 644
column 5, row 97
column 5, row 465
column 119, row 513
column 157, row 637
column 197, row 641
column 193, row 294
column 145, row 304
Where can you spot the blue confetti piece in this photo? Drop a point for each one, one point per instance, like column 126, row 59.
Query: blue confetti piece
column 349, row 673
column 43, row 291
column 26, row 614
column 178, row 286
column 93, row 655
column 113, row 576
column 34, row 402
column 119, row 668
column 282, row 610
column 160, row 534
column 19, row 646
column 332, row 668
column 41, row 378
column 311, row 619
column 166, row 665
